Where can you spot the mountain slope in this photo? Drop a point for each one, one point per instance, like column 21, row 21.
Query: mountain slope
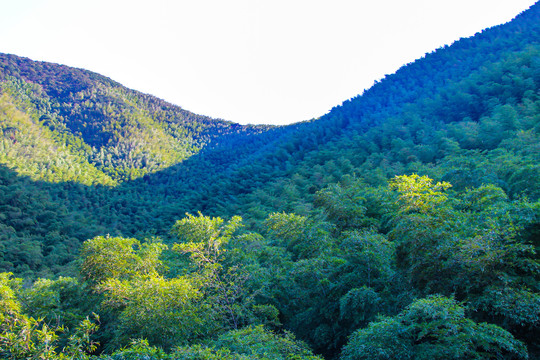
column 414, row 112
column 123, row 133
column 455, row 114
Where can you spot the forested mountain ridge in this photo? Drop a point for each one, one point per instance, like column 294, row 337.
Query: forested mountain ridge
column 447, row 86
column 404, row 224
column 123, row 133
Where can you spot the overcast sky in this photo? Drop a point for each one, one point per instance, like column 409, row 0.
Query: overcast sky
column 249, row 61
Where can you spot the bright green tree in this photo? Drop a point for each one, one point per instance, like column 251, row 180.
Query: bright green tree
column 106, row 257
column 205, row 239
column 166, row 312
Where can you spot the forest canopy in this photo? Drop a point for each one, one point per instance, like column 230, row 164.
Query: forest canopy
column 403, row 224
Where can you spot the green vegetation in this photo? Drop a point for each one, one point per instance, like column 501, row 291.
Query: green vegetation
column 437, row 283
column 432, row 328
column 404, row 224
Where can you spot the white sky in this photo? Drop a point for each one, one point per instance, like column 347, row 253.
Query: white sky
column 249, row 61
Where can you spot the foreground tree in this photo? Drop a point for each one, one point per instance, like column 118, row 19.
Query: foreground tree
column 105, row 257
column 166, row 312
column 25, row 337
column 432, row 328
column 204, row 239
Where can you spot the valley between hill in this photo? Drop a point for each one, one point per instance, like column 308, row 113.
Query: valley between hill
column 403, row 224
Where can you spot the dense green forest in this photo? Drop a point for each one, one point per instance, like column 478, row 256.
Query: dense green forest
column 404, row 224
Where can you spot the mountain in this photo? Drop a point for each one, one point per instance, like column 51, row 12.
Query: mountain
column 404, row 222
column 92, row 120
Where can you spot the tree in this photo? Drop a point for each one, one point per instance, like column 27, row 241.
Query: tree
column 25, row 337
column 424, row 230
column 249, row 343
column 106, row 257
column 301, row 236
column 344, row 204
column 166, row 312
column 204, row 238
column 432, row 328
column 418, row 193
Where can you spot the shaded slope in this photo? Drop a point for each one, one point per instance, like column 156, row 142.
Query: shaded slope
column 415, row 113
